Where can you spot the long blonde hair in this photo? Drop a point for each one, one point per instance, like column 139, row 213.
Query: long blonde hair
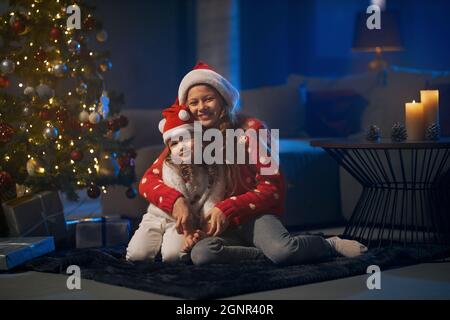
column 228, row 119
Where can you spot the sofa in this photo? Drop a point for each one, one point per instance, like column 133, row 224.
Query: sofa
column 304, row 108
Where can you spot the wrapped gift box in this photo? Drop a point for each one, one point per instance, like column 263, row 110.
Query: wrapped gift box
column 96, row 232
column 16, row 251
column 40, row 214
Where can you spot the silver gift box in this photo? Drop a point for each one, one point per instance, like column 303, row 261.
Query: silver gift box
column 40, row 214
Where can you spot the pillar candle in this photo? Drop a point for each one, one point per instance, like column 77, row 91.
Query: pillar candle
column 414, row 121
column 430, row 102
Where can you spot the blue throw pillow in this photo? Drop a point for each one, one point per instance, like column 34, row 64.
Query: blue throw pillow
column 334, row 113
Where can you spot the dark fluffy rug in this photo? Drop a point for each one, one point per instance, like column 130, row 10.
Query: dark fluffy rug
column 219, row 281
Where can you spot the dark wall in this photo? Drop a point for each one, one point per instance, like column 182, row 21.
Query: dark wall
column 152, row 44
column 314, row 37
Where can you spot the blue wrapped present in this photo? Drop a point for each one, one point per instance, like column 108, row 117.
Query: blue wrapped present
column 16, row 251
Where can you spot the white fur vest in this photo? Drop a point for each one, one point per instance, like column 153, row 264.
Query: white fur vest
column 198, row 193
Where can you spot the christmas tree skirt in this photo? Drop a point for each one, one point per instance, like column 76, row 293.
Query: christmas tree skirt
column 219, row 281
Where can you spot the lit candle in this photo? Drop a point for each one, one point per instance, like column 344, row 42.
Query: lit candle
column 430, row 101
column 414, row 121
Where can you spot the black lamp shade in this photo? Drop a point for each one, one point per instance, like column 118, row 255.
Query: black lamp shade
column 387, row 38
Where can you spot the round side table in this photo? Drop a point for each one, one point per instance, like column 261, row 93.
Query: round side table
column 406, row 190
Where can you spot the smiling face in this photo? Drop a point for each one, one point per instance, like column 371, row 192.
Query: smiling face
column 205, row 104
column 181, row 151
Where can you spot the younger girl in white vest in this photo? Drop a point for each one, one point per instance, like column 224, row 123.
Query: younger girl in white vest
column 201, row 185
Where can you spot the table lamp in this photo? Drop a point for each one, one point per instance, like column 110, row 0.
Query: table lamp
column 377, row 40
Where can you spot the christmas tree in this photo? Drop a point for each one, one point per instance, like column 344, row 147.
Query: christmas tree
column 58, row 124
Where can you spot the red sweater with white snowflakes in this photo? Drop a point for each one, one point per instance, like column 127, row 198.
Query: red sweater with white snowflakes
column 254, row 194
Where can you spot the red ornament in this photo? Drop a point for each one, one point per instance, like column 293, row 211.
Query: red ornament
column 76, row 155
column 46, row 114
column 6, row 180
column 55, row 33
column 123, row 121
column 62, row 115
column 18, row 27
column 40, row 55
column 6, row 132
column 72, row 124
column 93, row 192
column 4, row 82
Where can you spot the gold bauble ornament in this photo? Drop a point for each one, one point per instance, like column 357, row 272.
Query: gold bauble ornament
column 35, row 167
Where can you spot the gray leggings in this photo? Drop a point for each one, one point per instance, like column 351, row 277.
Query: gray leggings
column 259, row 237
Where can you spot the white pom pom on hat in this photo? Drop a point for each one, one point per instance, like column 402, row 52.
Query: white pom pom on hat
column 183, row 115
column 161, row 125
column 204, row 74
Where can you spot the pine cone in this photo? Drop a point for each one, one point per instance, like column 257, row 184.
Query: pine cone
column 373, row 133
column 398, row 133
column 433, row 132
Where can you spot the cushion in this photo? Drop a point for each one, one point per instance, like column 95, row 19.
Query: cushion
column 335, row 113
column 278, row 106
column 385, row 92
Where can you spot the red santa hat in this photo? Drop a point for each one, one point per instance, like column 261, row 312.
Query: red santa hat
column 176, row 121
column 204, row 74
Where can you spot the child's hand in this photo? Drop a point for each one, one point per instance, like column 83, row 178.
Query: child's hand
column 191, row 239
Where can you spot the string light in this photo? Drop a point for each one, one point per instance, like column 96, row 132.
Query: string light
column 72, row 162
column 56, row 167
column 18, row 63
column 31, row 44
column 7, row 158
column 91, row 151
column 20, row 85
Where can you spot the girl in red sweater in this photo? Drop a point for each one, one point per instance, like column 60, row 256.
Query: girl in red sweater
column 245, row 225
